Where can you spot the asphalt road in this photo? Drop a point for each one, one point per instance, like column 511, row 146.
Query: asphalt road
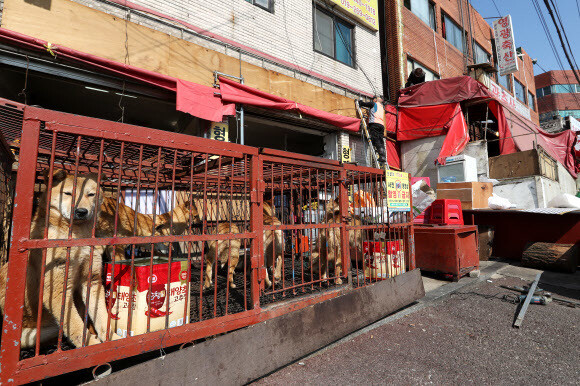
column 466, row 339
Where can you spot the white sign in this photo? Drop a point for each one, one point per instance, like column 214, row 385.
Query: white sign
column 505, row 46
column 508, row 100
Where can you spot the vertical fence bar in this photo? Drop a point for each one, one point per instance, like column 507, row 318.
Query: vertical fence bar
column 17, row 265
column 256, row 226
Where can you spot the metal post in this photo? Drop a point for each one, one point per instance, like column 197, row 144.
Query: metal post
column 524, row 308
column 216, row 74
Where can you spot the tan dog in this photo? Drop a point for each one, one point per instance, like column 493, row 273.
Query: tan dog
column 131, row 223
column 328, row 248
column 84, row 208
column 224, row 250
column 273, row 245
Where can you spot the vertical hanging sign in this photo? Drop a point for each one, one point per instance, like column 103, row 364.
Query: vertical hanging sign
column 219, row 131
column 345, row 154
column 505, row 46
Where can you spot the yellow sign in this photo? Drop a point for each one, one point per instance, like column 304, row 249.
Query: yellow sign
column 345, row 154
column 219, row 131
column 366, row 11
column 398, row 192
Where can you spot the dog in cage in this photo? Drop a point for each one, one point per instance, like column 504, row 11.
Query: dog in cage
column 273, row 245
column 72, row 208
column 328, row 249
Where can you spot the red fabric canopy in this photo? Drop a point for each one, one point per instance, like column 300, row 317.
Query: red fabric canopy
column 426, row 121
column 393, row 154
column 438, row 92
column 235, row 92
column 391, row 118
column 201, row 101
column 192, row 98
column 457, row 136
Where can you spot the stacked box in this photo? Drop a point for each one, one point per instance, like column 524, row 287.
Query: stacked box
column 156, row 303
column 383, row 259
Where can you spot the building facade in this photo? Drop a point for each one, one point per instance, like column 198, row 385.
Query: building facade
column 444, row 38
column 558, row 96
column 314, row 53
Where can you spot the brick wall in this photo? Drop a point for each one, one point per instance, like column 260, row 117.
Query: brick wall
column 555, row 77
column 286, row 33
column 559, row 102
column 428, row 47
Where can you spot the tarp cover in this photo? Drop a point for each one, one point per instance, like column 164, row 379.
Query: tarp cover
column 235, row 92
column 393, row 156
column 201, row 101
column 427, row 109
column 391, row 118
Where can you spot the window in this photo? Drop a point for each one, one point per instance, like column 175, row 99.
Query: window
column 479, row 54
column 429, row 75
column 520, row 91
column 268, row 5
column 424, row 10
column 531, row 103
column 540, row 92
column 333, row 37
column 564, row 89
column 546, row 90
column 504, row 81
column 452, row 32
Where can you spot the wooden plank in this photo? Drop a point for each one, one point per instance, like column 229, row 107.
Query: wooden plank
column 104, row 35
column 556, row 257
column 465, row 195
column 520, row 164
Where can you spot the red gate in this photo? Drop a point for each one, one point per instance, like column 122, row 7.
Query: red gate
column 203, row 237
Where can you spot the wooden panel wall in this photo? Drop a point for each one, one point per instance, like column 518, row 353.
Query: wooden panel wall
column 82, row 28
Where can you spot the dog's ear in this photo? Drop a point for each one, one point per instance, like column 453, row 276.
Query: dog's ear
column 58, row 175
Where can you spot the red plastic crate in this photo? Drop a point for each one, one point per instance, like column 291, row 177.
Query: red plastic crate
column 446, row 212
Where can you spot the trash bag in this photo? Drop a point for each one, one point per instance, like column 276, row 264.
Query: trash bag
column 564, row 200
column 423, row 196
column 497, row 202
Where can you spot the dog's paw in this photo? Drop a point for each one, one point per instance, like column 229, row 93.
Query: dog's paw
column 339, row 281
column 232, row 285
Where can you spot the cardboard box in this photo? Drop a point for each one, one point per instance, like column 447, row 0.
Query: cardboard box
column 383, row 260
column 473, row 195
column 164, row 298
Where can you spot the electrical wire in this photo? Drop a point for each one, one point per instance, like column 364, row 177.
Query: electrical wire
column 496, row 8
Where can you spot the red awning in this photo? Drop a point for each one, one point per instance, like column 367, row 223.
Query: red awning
column 424, row 110
column 235, row 92
column 202, row 101
column 195, row 99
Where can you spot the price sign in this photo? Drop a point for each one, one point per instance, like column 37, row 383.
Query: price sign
column 398, row 192
column 345, row 154
column 219, row 131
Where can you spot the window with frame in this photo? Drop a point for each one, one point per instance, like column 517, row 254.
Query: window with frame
column 520, row 91
column 333, row 37
column 424, row 10
column 452, row 32
column 268, row 5
column 531, row 103
column 480, row 55
column 429, row 75
column 504, row 81
column 564, row 89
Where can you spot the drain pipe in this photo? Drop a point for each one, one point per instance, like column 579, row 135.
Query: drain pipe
column 217, row 74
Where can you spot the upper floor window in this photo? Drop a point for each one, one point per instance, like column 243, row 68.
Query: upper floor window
column 452, row 32
column 480, row 55
column 504, row 81
column 531, row 103
column 424, row 10
column 333, row 37
column 268, row 5
column 564, row 88
column 429, row 75
column 520, row 91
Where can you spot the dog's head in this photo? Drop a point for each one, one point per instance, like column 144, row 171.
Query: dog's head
column 77, row 202
column 333, row 209
column 184, row 215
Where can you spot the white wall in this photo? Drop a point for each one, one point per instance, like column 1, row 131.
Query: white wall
column 287, row 34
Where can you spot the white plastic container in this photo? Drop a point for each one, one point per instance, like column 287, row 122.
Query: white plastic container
column 459, row 168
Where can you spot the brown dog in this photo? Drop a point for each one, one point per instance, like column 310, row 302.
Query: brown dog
column 273, row 245
column 84, row 208
column 328, row 248
column 222, row 251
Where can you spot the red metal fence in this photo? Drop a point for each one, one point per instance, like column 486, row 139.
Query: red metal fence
column 168, row 238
